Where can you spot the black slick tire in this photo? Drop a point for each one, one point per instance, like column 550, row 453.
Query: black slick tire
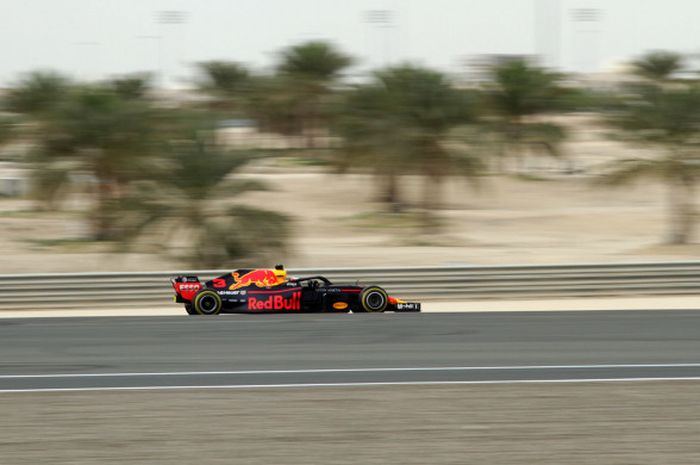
column 207, row 302
column 373, row 299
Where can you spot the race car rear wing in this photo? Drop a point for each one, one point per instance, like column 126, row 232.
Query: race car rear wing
column 185, row 287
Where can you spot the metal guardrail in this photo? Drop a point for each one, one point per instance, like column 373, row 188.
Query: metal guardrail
column 69, row 290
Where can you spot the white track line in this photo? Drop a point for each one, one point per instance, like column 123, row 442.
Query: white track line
column 359, row 384
column 353, row 370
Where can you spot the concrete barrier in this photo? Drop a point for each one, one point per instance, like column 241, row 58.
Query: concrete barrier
column 68, row 290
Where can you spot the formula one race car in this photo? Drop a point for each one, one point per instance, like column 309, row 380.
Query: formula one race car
column 271, row 291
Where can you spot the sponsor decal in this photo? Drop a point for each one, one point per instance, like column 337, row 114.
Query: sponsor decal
column 340, row 305
column 408, row 306
column 188, row 290
column 228, row 292
column 259, row 278
column 275, row 302
column 189, row 287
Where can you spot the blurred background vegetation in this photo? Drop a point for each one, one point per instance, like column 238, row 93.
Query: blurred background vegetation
column 153, row 172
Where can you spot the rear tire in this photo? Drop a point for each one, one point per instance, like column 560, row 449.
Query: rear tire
column 190, row 310
column 373, row 299
column 207, row 302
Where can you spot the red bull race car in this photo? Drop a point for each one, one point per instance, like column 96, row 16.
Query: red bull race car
column 272, row 291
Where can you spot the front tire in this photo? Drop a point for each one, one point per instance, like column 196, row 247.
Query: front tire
column 207, row 302
column 373, row 299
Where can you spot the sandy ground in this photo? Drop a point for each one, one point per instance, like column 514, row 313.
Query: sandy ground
column 336, row 224
column 546, row 305
column 580, row 423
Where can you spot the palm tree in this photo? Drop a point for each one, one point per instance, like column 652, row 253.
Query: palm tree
column 521, row 94
column 190, row 204
column 226, row 82
column 429, row 108
column 667, row 120
column 372, row 132
column 275, row 104
column 659, row 65
column 37, row 93
column 309, row 71
column 97, row 131
column 132, row 87
column 401, row 123
column 315, row 60
column 32, row 101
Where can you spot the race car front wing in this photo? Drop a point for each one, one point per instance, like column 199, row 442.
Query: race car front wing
column 408, row 307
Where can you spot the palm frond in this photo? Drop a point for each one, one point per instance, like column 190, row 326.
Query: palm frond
column 658, row 65
column 314, row 59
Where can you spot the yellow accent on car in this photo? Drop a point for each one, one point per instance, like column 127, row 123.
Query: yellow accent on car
column 281, row 275
column 340, row 305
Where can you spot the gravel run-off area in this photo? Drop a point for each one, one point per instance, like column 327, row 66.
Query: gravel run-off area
column 577, row 423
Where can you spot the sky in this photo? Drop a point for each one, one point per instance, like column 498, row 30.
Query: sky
column 94, row 39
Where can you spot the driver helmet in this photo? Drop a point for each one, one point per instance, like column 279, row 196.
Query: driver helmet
column 280, row 273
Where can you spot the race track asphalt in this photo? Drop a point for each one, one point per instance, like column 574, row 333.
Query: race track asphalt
column 311, row 350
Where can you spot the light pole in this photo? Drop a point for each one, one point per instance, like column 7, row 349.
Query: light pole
column 383, row 20
column 585, row 44
column 166, row 19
